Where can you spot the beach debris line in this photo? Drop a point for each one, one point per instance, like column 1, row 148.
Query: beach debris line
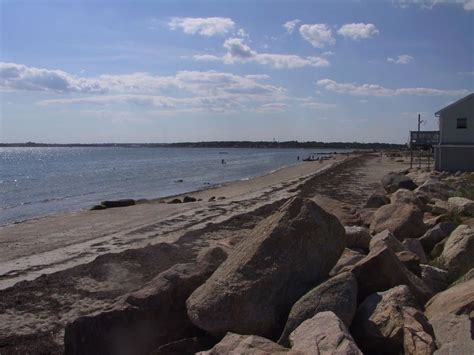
column 113, row 204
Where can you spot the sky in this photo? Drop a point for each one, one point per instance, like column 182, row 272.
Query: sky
column 174, row 71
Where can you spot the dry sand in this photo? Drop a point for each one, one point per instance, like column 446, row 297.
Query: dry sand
column 75, row 264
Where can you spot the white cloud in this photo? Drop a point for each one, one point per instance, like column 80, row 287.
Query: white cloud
column 271, row 107
column 239, row 52
column 209, row 26
column 241, row 32
column 290, row 25
column 378, row 90
column 468, row 5
column 357, row 31
column 318, row 35
column 402, row 59
column 209, row 91
column 314, row 105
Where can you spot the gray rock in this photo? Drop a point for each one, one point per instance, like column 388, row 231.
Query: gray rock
column 461, row 205
column 434, row 188
column 458, row 299
column 378, row 324
column 436, row 234
column 148, row 318
column 403, row 220
column 187, row 199
column 254, row 289
column 453, row 334
column 387, row 238
column 458, row 253
column 418, row 335
column 404, row 196
column 435, row 278
column 382, row 270
column 348, row 258
column 338, row 295
column 357, row 237
column 411, row 261
column 324, row 334
column 466, row 277
column 246, row 344
column 438, row 249
column 376, row 200
column 393, row 182
column 414, row 245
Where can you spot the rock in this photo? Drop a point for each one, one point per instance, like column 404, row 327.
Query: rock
column 453, row 334
column 148, row 318
column 376, row 200
column 338, row 295
column 403, row 220
column 187, row 199
column 411, row 261
column 458, row 253
column 436, row 234
column 418, row 335
column 118, row 203
column 431, row 221
column 461, row 205
column 185, row 346
column 366, row 216
column 414, row 245
column 357, row 237
column 98, row 208
column 434, row 278
column 381, row 270
column 404, row 196
column 246, row 344
column 324, row 334
column 458, row 299
column 434, row 188
column 386, row 238
column 419, row 177
column 378, row 324
column 438, row 249
column 254, row 289
column 348, row 258
column 175, row 200
column 437, row 207
column 212, row 199
column 393, row 182
column 466, row 277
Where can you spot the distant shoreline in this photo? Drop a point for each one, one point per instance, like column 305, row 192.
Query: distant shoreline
column 216, row 144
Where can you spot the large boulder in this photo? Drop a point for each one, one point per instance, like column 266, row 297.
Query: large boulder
column 461, row 205
column 393, row 182
column 435, row 278
column 378, row 324
column 376, row 200
column 366, row 215
column 458, row 299
column 458, row 253
column 406, row 196
column 146, row 319
column 253, row 291
column 418, row 335
column 403, row 220
column 434, row 188
column 411, row 261
column 338, row 295
column 246, row 344
column 414, row 245
column 386, row 238
column 357, row 237
column 453, row 334
column 436, row 234
column 324, row 334
column 348, row 259
column 382, row 270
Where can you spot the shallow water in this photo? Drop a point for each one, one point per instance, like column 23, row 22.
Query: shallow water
column 40, row 181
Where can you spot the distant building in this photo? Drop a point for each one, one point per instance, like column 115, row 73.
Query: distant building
column 455, row 151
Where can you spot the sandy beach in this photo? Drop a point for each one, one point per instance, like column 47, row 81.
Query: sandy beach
column 54, row 269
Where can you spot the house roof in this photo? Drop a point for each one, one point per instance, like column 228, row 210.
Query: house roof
column 470, row 96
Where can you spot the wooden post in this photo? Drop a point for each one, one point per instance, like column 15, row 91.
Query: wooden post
column 429, row 156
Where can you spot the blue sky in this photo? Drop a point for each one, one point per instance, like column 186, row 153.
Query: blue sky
column 165, row 71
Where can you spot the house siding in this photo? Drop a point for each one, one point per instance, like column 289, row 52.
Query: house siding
column 449, row 133
column 454, row 158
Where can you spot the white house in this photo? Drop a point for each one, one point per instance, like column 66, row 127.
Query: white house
column 455, row 151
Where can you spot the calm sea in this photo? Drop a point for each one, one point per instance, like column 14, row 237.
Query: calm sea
column 41, row 181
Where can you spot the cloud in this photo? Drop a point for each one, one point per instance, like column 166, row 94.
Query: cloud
column 357, row 31
column 468, row 5
column 241, row 32
column 378, row 90
column 318, row 35
column 314, row 105
column 209, row 26
column 271, row 107
column 402, row 59
column 290, row 25
column 239, row 52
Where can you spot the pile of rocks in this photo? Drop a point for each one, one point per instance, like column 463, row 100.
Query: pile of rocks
column 304, row 284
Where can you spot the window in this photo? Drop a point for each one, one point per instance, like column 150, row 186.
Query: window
column 462, row 123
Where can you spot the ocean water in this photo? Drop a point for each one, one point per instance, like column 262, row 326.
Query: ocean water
column 41, row 181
